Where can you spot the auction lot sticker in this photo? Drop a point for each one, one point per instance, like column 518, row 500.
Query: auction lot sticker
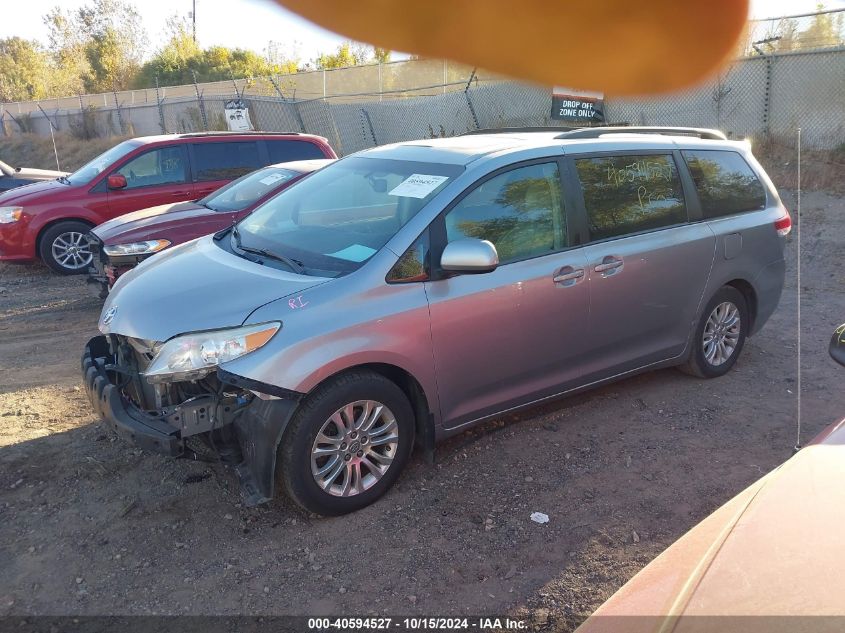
column 418, row 186
column 577, row 105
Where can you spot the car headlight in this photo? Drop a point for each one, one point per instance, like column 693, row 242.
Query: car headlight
column 192, row 356
column 137, row 248
column 10, row 214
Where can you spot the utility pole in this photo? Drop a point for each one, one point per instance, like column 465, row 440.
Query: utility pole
column 194, row 20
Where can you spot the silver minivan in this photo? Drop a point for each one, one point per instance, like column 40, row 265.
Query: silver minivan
column 409, row 291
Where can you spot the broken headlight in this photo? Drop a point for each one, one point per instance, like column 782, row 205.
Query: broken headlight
column 136, row 248
column 192, row 356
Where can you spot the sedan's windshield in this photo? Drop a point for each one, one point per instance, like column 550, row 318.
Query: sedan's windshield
column 337, row 218
column 93, row 168
column 246, row 190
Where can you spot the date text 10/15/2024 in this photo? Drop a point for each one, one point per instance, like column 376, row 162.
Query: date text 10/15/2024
column 417, row 624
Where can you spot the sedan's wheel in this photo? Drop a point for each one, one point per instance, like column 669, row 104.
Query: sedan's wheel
column 354, row 448
column 64, row 247
column 346, row 444
column 720, row 334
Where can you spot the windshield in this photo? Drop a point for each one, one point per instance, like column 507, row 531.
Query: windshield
column 337, row 218
column 246, row 190
column 92, row 169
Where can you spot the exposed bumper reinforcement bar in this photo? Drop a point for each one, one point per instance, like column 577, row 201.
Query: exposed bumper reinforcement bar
column 146, row 431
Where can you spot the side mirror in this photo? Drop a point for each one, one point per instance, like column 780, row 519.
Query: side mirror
column 116, row 181
column 837, row 345
column 469, row 256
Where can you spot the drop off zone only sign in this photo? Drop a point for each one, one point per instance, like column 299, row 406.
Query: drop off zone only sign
column 577, row 105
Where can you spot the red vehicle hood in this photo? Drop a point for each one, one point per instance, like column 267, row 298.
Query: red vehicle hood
column 178, row 223
column 28, row 194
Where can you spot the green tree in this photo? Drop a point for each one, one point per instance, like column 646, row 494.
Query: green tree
column 25, row 70
column 103, row 43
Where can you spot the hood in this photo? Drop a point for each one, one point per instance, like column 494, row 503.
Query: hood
column 141, row 225
column 31, row 192
column 39, row 174
column 193, row 287
column 772, row 550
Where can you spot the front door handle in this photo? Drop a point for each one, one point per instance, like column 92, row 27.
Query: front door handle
column 568, row 276
column 609, row 265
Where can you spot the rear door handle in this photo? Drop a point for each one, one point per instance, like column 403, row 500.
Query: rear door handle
column 568, row 276
column 609, row 265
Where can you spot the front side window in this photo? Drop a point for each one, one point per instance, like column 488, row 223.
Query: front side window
column 225, row 161
column 246, row 190
column 162, row 166
column 725, row 182
column 413, row 265
column 519, row 211
column 96, row 166
column 338, row 217
column 629, row 194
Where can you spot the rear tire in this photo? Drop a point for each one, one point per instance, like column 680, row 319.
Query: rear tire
column 346, row 444
column 65, row 249
column 719, row 336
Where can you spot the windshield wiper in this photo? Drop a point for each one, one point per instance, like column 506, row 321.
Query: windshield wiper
column 294, row 265
column 63, row 180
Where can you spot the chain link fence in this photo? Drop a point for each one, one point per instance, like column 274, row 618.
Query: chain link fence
column 766, row 95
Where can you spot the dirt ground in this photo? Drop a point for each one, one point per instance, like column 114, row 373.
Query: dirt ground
column 90, row 525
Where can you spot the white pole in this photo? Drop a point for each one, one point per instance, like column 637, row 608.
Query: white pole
column 53, row 138
column 798, row 281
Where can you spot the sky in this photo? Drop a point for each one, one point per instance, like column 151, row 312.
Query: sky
column 252, row 24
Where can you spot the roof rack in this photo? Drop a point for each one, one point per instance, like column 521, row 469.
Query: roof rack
column 512, row 130
column 596, row 132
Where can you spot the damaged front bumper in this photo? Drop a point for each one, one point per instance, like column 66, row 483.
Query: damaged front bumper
column 255, row 415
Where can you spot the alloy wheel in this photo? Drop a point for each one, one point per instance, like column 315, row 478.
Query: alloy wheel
column 354, row 448
column 72, row 250
column 721, row 333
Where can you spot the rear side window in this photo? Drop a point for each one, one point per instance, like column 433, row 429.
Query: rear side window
column 628, row 194
column 284, row 151
column 726, row 184
column 225, row 161
column 519, row 211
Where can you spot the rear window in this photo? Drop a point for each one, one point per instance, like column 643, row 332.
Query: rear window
column 628, row 194
column 726, row 184
column 284, row 151
column 225, row 161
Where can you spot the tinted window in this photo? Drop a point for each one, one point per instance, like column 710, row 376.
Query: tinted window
column 283, row 151
column 725, row 182
column 225, row 161
column 627, row 194
column 519, row 211
column 162, row 166
column 413, row 265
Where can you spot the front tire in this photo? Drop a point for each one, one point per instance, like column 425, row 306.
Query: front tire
column 720, row 335
column 346, row 444
column 64, row 247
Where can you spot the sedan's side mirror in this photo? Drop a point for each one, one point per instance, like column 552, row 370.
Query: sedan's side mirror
column 469, row 256
column 116, row 181
column 837, row 345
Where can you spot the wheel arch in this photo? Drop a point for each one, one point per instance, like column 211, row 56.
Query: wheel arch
column 410, row 386
column 750, row 294
column 47, row 225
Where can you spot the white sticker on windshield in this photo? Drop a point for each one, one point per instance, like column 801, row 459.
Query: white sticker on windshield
column 269, row 180
column 418, row 185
